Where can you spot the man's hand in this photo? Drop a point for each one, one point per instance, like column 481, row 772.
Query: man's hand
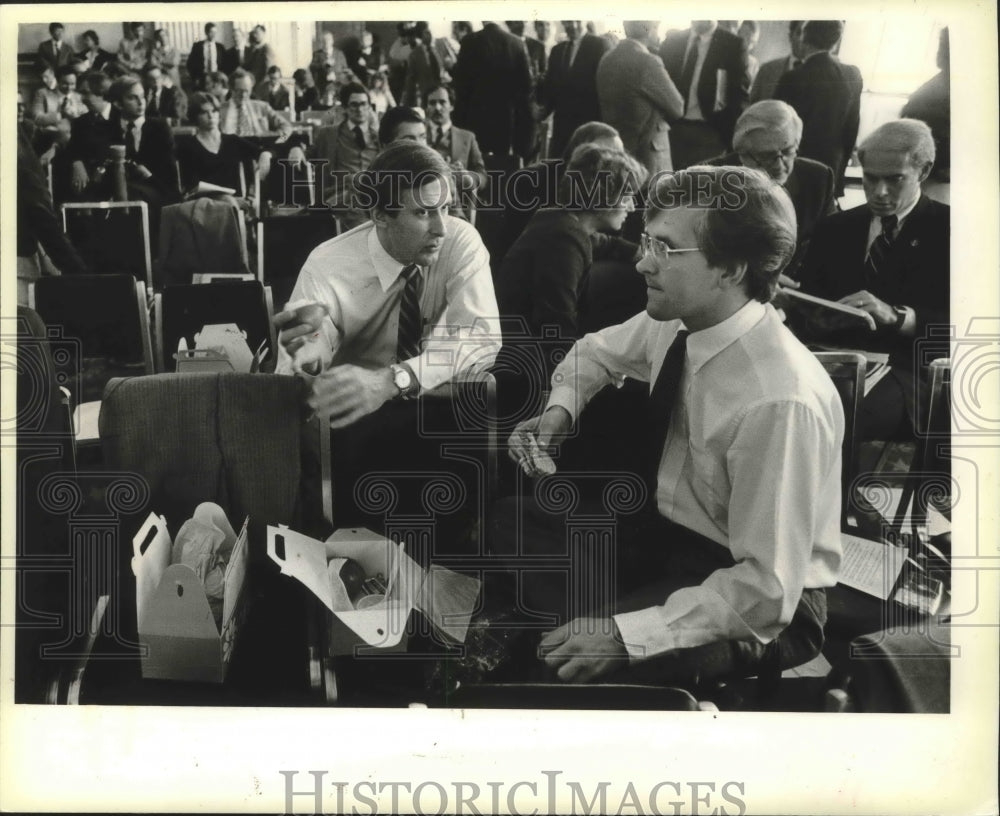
column 264, row 164
column 80, row 179
column 883, row 313
column 297, row 156
column 299, row 324
column 534, row 435
column 347, row 393
column 584, row 649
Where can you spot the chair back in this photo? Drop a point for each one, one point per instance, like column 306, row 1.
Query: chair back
column 111, row 236
column 182, row 312
column 204, row 235
column 284, row 243
column 106, row 316
column 847, row 370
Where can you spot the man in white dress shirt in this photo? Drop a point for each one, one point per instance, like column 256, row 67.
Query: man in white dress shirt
column 726, row 574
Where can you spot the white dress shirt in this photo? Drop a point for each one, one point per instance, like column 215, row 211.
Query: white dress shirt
column 361, row 285
column 701, row 42
column 752, row 461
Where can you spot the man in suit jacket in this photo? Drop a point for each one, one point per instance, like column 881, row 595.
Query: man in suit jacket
column 346, row 148
column 826, row 93
column 890, row 258
column 638, row 98
column 767, row 138
column 239, row 55
column 91, row 136
column 570, row 86
column 163, row 102
column 492, row 84
column 54, row 53
column 272, row 91
column 771, row 71
column 457, row 146
column 206, row 56
column 711, row 70
column 261, row 55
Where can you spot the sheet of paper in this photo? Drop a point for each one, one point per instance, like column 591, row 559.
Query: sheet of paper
column 870, row 566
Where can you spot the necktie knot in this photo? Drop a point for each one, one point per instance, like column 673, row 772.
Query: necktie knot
column 889, row 224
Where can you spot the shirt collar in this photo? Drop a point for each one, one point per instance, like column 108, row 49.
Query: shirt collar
column 138, row 124
column 387, row 268
column 703, row 345
column 900, row 216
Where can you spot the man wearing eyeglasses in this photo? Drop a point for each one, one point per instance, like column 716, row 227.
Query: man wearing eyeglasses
column 725, row 575
column 348, row 147
column 767, row 138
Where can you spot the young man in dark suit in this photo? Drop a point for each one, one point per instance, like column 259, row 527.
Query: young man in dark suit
column 54, row 53
column 206, row 56
column 711, row 69
column 890, row 258
column 161, row 101
column 570, row 86
column 826, row 93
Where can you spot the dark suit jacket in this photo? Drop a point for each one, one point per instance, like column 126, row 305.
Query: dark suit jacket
column 571, row 91
column 101, row 59
column 917, row 272
column 156, row 154
column 233, row 58
column 173, row 105
column 810, row 186
column 51, row 57
column 492, row 84
column 767, row 79
column 90, row 136
column 726, row 52
column 826, row 94
column 196, row 60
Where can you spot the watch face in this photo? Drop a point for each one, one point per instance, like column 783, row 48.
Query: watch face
column 401, row 377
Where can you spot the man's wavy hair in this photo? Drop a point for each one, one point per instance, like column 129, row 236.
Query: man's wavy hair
column 746, row 218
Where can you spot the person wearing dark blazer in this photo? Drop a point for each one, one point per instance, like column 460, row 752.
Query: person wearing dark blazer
column 537, row 59
column 890, row 258
column 92, row 57
column 771, row 71
column 711, row 69
column 569, row 90
column 826, row 93
column 54, row 53
column 239, row 55
column 163, row 102
column 206, row 56
column 638, row 98
column 492, row 83
column 91, row 137
column 767, row 138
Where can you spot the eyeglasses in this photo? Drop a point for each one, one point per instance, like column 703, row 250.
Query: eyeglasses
column 658, row 249
column 786, row 153
column 357, row 105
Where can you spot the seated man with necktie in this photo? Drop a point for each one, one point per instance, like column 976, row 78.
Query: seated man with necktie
column 242, row 116
column 345, row 149
column 724, row 573
column 407, row 304
column 889, row 257
column 161, row 101
column 457, row 146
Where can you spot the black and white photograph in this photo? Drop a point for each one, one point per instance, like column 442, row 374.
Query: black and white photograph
column 477, row 416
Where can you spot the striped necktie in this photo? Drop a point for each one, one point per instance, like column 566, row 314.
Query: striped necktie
column 879, row 251
column 410, row 325
column 662, row 400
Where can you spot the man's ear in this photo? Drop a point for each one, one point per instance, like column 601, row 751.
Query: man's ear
column 925, row 171
column 379, row 216
column 734, row 274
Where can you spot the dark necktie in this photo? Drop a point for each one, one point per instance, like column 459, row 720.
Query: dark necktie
column 410, row 327
column 687, row 72
column 130, row 151
column 878, row 254
column 439, row 138
column 359, row 137
column 662, row 399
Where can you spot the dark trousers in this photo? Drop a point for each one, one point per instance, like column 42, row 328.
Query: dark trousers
column 694, row 142
column 586, row 563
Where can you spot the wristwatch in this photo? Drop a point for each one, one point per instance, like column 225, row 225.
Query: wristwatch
column 404, row 381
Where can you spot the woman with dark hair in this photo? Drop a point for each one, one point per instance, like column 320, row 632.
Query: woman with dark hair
column 543, row 279
column 92, row 57
column 214, row 157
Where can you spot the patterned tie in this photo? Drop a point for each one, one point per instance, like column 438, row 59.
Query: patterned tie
column 662, row 399
column 244, row 126
column 410, row 328
column 130, row 151
column 359, row 137
column 878, row 254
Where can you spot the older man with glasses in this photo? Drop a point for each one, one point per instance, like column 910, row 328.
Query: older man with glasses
column 767, row 138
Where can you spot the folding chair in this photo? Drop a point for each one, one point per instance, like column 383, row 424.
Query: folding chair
column 112, row 236
column 847, row 370
column 203, row 236
column 180, row 312
column 105, row 318
column 284, row 243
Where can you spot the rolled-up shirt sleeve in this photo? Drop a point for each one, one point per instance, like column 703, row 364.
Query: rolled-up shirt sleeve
column 779, row 467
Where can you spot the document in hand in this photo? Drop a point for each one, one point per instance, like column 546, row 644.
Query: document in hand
column 829, row 313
